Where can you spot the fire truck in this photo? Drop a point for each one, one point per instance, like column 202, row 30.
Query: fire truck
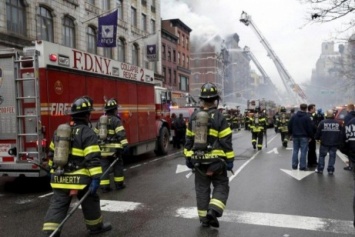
column 38, row 85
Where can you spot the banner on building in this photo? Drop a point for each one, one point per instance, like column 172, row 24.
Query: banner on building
column 152, row 48
column 107, row 30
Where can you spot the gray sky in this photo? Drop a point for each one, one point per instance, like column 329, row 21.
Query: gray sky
column 284, row 24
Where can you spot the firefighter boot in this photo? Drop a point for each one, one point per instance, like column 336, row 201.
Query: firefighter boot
column 106, row 189
column 49, row 233
column 105, row 227
column 284, row 143
column 212, row 217
column 120, row 185
column 254, row 145
column 204, row 222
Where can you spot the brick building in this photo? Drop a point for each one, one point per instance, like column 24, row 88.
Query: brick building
column 176, row 66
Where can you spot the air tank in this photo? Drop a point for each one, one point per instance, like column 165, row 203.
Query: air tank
column 103, row 127
column 62, row 146
column 201, row 131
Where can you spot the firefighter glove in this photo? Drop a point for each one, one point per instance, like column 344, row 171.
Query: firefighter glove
column 229, row 165
column 126, row 150
column 95, row 184
column 189, row 164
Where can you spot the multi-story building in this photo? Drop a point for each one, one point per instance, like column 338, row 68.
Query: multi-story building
column 177, row 78
column 206, row 65
column 74, row 23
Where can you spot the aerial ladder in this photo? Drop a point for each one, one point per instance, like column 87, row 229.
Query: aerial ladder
column 291, row 86
column 266, row 77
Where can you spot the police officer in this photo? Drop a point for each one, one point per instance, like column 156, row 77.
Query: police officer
column 257, row 126
column 77, row 173
column 282, row 122
column 112, row 146
column 328, row 133
column 209, row 151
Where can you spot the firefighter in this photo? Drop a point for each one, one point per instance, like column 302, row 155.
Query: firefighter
column 113, row 145
column 209, row 151
column 281, row 123
column 257, row 127
column 246, row 119
column 75, row 170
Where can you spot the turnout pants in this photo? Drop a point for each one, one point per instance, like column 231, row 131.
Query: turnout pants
column 59, row 206
column 117, row 171
column 220, row 191
column 257, row 138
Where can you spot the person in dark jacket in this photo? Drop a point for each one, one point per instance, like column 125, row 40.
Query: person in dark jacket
column 349, row 140
column 312, row 146
column 328, row 133
column 351, row 114
column 301, row 130
column 209, row 151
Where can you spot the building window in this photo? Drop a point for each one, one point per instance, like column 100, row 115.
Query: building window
column 144, row 22
column 187, row 43
column 133, row 16
column 121, row 47
column 107, row 52
column 183, row 60
column 16, row 17
column 152, row 26
column 119, row 4
column 105, row 5
column 184, row 86
column 91, row 40
column 174, row 77
column 178, row 41
column 163, row 51
column 135, row 53
column 179, row 59
column 164, row 73
column 169, row 55
column 187, row 62
column 183, row 41
column 169, row 76
column 174, row 56
column 68, row 32
column 44, row 24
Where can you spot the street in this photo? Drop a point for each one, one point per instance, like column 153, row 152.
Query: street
column 267, row 198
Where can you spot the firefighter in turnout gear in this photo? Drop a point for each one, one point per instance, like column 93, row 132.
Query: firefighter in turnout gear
column 258, row 128
column 113, row 141
column 75, row 170
column 282, row 122
column 209, row 152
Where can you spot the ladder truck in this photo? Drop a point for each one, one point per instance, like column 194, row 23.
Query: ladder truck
column 291, row 86
column 266, row 77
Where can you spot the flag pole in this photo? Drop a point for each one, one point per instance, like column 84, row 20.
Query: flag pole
column 109, row 11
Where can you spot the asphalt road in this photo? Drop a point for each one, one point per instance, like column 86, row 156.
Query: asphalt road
column 267, row 198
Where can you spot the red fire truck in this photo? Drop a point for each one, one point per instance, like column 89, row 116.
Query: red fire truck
column 38, row 85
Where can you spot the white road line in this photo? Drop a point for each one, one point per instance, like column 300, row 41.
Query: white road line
column 247, row 162
column 242, row 167
column 278, row 220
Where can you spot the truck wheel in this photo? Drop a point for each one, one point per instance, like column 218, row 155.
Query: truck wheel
column 163, row 142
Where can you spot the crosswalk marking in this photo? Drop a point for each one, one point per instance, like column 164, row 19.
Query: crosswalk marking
column 251, row 218
column 277, row 220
